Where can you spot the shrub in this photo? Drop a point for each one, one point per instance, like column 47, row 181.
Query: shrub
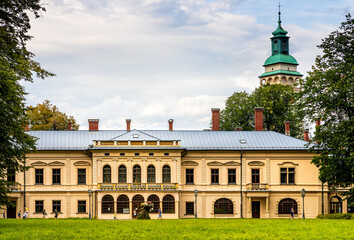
column 145, row 208
column 335, row 216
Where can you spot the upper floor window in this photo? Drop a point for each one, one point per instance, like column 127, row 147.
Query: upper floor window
column 166, row 174
column 255, row 175
column 11, row 175
column 214, row 176
column 122, row 174
column 136, row 174
column 81, row 176
column 151, row 176
column 189, row 176
column 287, row 175
column 56, row 176
column 231, row 175
column 107, row 174
column 39, row 176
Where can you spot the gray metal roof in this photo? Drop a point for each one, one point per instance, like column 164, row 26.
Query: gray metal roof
column 190, row 139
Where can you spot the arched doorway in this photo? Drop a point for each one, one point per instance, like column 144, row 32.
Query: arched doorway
column 136, row 201
column 336, row 205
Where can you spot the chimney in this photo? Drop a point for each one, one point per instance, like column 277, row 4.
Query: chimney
column 318, row 122
column 287, row 128
column 215, row 119
column 258, row 116
column 170, row 124
column 93, row 124
column 26, row 128
column 238, row 129
column 69, row 126
column 128, row 121
column 306, row 135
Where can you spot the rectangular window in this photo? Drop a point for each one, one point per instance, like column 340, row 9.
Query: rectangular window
column 56, row 176
column 255, row 175
column 189, row 208
column 214, row 176
column 287, row 175
column 231, row 176
column 81, row 176
column 81, row 206
column 57, row 206
column 39, row 176
column 189, row 176
column 39, row 206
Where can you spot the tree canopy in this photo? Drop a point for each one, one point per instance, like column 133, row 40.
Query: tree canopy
column 46, row 116
column 16, row 64
column 328, row 95
column 279, row 102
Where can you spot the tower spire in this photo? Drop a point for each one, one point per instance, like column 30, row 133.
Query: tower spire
column 279, row 21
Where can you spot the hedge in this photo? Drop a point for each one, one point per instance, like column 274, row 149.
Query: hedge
column 336, row 216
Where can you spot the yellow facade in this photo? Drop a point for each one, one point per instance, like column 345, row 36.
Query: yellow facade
column 265, row 195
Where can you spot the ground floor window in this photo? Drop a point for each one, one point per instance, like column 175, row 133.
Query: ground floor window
column 123, row 204
column 223, row 206
column 107, row 204
column 39, row 206
column 81, row 206
column 189, row 208
column 285, row 206
column 56, row 206
column 156, row 201
column 168, row 204
column 336, row 205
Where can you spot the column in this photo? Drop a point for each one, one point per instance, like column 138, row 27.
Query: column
column 267, row 207
column 249, row 207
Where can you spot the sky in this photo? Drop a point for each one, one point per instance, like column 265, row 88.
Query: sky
column 155, row 60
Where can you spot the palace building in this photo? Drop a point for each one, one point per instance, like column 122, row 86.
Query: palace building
column 205, row 174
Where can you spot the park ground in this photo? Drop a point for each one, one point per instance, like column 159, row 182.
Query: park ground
column 176, row 229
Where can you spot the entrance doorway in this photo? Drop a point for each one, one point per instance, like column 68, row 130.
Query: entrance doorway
column 11, row 210
column 256, row 209
column 136, row 201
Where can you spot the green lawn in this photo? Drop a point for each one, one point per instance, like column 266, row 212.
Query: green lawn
column 176, row 229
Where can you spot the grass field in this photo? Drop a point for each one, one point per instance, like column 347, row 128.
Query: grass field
column 176, row 229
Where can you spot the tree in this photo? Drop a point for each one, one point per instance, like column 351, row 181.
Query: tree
column 328, row 96
column 46, row 116
column 279, row 102
column 16, row 64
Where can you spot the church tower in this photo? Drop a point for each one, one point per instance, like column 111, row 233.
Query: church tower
column 280, row 68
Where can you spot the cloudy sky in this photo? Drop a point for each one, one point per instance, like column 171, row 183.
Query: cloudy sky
column 154, row 60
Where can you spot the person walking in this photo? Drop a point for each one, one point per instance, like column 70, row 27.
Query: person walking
column 19, row 214
column 56, row 214
column 292, row 213
column 135, row 212
column 44, row 213
column 159, row 216
column 115, row 216
column 4, row 214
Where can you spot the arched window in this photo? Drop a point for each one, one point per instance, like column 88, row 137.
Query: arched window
column 107, row 174
column 151, row 174
column 285, row 206
column 136, row 174
column 136, row 201
column 166, row 174
column 223, row 206
column 168, row 204
column 122, row 174
column 336, row 205
column 107, row 204
column 122, row 204
column 156, row 201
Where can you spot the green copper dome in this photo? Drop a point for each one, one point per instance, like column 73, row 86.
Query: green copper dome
column 280, row 58
column 279, row 32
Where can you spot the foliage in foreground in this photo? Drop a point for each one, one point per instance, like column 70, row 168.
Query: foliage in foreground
column 328, row 95
column 177, row 229
column 336, row 216
column 46, row 116
column 16, row 64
